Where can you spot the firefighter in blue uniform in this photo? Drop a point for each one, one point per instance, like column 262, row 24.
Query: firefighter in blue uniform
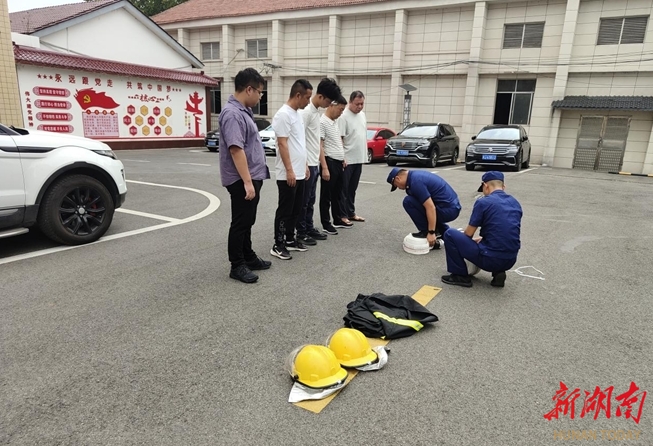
column 430, row 202
column 499, row 217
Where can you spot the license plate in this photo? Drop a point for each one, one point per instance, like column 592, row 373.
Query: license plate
column 402, row 152
column 489, row 157
column 213, row 143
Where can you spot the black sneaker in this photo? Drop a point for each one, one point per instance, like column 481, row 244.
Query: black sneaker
column 438, row 244
column 296, row 245
column 498, row 279
column 281, row 252
column 258, row 264
column 420, row 234
column 307, row 240
column 329, row 229
column 244, row 274
column 316, row 235
column 342, row 224
column 453, row 279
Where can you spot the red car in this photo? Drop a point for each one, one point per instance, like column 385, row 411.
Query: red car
column 377, row 137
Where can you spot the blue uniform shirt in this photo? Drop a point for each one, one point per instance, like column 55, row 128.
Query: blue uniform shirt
column 499, row 217
column 423, row 185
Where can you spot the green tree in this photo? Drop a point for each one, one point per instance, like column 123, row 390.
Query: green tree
column 153, row 7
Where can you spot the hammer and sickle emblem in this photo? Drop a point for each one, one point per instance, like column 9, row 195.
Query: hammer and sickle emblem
column 87, row 99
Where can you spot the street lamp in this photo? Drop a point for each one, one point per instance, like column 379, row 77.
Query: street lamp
column 407, row 102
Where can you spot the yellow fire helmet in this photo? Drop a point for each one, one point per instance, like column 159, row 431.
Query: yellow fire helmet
column 315, row 366
column 351, row 347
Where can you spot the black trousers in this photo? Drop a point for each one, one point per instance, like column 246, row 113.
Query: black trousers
column 352, row 176
column 331, row 191
column 291, row 200
column 243, row 217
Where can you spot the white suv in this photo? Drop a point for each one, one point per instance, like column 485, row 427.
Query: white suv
column 66, row 185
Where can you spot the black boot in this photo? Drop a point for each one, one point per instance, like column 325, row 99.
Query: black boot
column 498, row 279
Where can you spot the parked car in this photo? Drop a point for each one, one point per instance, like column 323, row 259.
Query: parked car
column 212, row 140
column 423, row 143
column 262, row 123
column 269, row 140
column 67, row 186
column 377, row 138
column 499, row 145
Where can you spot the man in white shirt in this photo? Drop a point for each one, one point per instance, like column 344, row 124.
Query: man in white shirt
column 291, row 169
column 353, row 128
column 332, row 162
column 327, row 92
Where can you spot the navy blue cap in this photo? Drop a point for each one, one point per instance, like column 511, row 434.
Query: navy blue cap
column 490, row 176
column 391, row 177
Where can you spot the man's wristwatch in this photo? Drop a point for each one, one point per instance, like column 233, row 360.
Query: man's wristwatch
column 431, row 232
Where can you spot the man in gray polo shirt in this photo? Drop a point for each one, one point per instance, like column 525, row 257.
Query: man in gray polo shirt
column 242, row 171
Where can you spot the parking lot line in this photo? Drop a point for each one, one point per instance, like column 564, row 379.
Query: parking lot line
column 214, row 204
column 367, row 182
column 196, row 164
column 135, row 161
column 523, row 171
column 145, row 214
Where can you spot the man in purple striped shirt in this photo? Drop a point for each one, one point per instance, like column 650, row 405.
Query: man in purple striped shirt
column 242, row 170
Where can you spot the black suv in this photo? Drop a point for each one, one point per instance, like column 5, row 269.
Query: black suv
column 499, row 145
column 423, row 143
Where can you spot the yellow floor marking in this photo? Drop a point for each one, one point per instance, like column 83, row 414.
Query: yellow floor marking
column 423, row 296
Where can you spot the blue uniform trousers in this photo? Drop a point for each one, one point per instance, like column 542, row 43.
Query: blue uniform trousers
column 417, row 213
column 459, row 247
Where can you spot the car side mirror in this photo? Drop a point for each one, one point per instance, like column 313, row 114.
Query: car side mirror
column 473, row 137
column 525, row 138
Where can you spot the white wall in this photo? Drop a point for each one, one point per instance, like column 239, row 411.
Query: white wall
column 438, row 99
column 366, row 43
column 206, row 35
column 116, row 35
column 305, row 46
column 59, row 110
column 377, row 98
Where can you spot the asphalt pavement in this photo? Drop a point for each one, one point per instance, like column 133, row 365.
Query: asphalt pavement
column 144, row 339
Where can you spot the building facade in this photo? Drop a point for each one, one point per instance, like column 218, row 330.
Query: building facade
column 577, row 74
column 10, row 113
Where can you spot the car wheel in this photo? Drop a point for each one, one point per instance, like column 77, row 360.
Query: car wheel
column 454, row 157
column 433, row 161
column 75, row 210
column 470, row 167
column 391, row 163
column 526, row 164
column 212, row 149
column 370, row 156
column 518, row 162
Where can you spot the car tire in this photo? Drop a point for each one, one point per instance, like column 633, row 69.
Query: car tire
column 391, row 163
column 59, row 218
column 370, row 156
column 212, row 149
column 433, row 160
column 454, row 157
column 470, row 167
column 526, row 164
column 517, row 166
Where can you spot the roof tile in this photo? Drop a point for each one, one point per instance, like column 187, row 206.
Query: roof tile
column 208, row 9
column 33, row 56
column 33, row 20
column 638, row 103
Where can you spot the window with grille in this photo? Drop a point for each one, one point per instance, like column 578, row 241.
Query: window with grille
column 622, row 30
column 262, row 107
column 514, row 101
column 210, row 50
column 216, row 100
column 523, row 35
column 257, row 49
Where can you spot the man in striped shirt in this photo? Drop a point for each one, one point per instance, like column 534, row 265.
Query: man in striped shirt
column 332, row 163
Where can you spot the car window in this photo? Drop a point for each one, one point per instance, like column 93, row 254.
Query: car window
column 386, row 134
column 370, row 134
column 421, row 132
column 451, row 130
column 508, row 134
column 445, row 130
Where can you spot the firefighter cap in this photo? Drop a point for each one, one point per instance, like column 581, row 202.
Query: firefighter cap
column 315, row 366
column 351, row 347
